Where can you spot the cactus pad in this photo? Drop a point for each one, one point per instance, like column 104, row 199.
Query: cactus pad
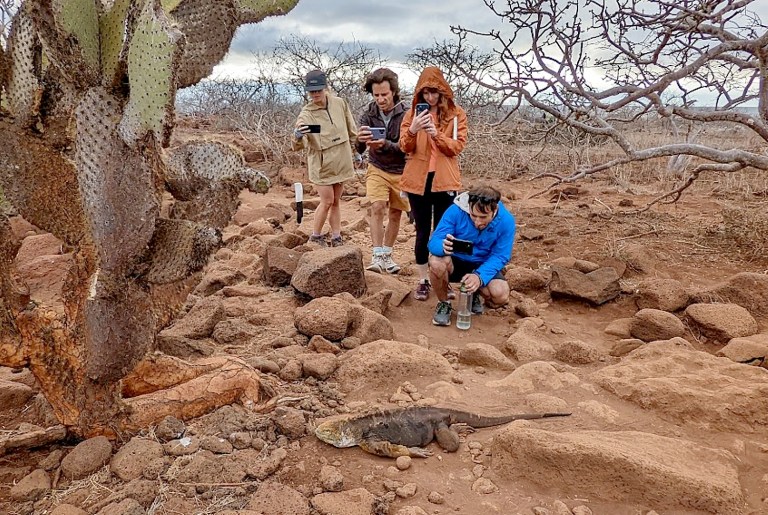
column 179, row 248
column 117, row 186
column 208, row 29
column 24, row 52
column 112, row 26
column 253, row 11
column 79, row 19
column 206, row 178
column 153, row 56
column 41, row 183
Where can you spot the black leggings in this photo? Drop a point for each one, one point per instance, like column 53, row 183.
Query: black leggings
column 427, row 211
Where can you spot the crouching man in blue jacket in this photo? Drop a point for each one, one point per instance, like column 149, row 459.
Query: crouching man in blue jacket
column 479, row 217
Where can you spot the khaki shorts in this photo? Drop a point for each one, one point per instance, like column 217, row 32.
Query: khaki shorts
column 380, row 185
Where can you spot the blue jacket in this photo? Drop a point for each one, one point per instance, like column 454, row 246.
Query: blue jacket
column 492, row 245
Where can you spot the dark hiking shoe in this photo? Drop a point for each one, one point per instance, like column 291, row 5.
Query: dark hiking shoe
column 442, row 313
column 337, row 241
column 318, row 240
column 477, row 305
column 422, row 291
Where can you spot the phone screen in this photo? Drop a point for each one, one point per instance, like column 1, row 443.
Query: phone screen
column 314, row 128
column 463, row 246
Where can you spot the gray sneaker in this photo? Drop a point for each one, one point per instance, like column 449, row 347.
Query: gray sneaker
column 318, row 240
column 377, row 264
column 442, row 313
column 337, row 241
column 389, row 265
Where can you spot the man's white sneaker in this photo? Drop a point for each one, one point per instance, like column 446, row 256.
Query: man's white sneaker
column 390, row 266
column 377, row 264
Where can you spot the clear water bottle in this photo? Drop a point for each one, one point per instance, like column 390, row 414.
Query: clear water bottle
column 464, row 310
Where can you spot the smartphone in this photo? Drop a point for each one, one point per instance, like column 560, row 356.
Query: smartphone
column 378, row 132
column 421, row 107
column 314, row 128
column 463, row 246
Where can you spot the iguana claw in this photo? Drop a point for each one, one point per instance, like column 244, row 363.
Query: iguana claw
column 419, row 452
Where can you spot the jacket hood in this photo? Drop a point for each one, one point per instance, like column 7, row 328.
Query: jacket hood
column 462, row 201
column 432, row 77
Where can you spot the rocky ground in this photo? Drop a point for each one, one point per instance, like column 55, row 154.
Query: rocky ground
column 644, row 326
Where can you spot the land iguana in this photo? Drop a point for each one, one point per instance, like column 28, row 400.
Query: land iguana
column 406, row 431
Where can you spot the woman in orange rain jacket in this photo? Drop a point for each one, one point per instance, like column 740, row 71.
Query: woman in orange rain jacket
column 432, row 140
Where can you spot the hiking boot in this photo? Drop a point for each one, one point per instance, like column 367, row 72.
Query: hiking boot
column 422, row 291
column 318, row 240
column 336, row 241
column 442, row 313
column 377, row 264
column 451, row 294
column 389, row 265
column 477, row 305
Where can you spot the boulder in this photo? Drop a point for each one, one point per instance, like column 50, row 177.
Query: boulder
column 328, row 271
column 690, row 387
column 746, row 350
column 288, row 240
column 582, row 265
column 597, row 287
column 535, row 376
column 625, row 466
column 200, row 320
column 386, row 363
column 368, row 326
column 350, row 502
column 577, row 352
column 747, row 289
column 280, row 264
column 217, row 278
column 653, row 324
column 320, row 366
column 278, row 499
column 324, row 316
column 619, row 327
column 380, row 282
column 86, row 458
column 13, row 395
column 526, row 280
column 663, row 294
column 32, row 487
column 527, row 343
column 721, row 322
column 129, row 462
column 482, row 354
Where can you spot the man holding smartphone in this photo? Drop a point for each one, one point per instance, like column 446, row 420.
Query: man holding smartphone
column 380, row 134
column 471, row 244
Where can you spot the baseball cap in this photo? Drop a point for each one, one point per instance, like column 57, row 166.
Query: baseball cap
column 314, row 81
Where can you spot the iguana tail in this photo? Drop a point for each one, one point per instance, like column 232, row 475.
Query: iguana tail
column 475, row 420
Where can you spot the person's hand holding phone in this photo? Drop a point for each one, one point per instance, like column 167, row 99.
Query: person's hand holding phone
column 421, row 120
column 448, row 244
column 364, row 134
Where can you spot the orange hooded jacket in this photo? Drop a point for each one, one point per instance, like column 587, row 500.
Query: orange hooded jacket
column 450, row 141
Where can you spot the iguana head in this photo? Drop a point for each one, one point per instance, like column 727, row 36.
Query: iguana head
column 337, row 433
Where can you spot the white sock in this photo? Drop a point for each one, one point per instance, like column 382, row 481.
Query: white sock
column 378, row 251
column 387, row 250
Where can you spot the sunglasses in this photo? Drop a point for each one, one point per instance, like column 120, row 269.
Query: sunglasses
column 482, row 199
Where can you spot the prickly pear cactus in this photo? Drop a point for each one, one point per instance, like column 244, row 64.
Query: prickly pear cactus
column 87, row 89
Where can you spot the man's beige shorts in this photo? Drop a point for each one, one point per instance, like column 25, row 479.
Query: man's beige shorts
column 380, row 185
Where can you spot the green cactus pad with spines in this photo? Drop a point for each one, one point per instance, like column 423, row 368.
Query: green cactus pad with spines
column 253, row 11
column 208, row 31
column 117, row 186
column 112, row 29
column 80, row 18
column 23, row 84
column 152, row 58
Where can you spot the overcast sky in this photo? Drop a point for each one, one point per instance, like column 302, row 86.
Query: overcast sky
column 392, row 27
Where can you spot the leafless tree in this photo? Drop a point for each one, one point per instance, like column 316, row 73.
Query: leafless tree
column 600, row 65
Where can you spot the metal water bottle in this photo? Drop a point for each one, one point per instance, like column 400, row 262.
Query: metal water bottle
column 464, row 310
